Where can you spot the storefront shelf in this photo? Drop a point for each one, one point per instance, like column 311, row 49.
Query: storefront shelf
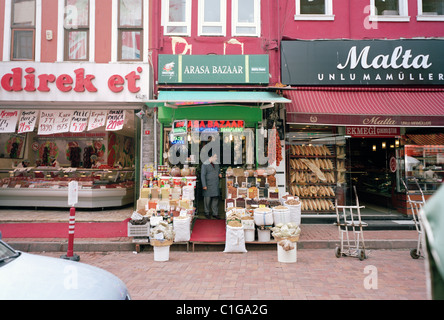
column 40, row 197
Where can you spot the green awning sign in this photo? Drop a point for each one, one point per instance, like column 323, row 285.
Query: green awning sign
column 204, row 69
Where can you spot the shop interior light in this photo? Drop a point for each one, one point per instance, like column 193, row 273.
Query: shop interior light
column 392, row 146
column 384, row 145
column 397, row 143
column 374, row 147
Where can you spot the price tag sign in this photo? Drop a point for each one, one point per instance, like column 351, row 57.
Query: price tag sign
column 115, row 121
column 27, row 121
column 46, row 122
column 63, row 121
column 73, row 193
column 8, row 120
column 79, row 121
column 96, row 119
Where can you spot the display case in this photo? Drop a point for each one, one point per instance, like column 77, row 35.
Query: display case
column 48, row 187
column 425, row 163
column 314, row 172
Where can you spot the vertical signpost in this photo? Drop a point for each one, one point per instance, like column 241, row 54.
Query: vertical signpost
column 73, row 197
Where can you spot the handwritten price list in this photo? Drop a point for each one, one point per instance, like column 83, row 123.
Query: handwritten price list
column 56, row 121
column 8, row 120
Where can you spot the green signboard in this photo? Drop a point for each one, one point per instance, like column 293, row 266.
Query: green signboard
column 204, row 69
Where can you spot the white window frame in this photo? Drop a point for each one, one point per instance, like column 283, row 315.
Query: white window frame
column 222, row 24
column 166, row 23
column 7, row 32
column 61, row 32
column 256, row 24
column 403, row 15
column 328, row 15
column 425, row 17
column 115, row 33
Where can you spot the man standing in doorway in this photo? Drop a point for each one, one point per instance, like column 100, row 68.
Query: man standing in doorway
column 210, row 175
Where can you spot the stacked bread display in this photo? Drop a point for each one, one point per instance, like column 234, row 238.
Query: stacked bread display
column 312, row 177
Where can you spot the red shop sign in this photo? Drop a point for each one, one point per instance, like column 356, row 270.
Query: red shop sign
column 372, row 132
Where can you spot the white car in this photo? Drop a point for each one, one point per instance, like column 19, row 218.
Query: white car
column 25, row 276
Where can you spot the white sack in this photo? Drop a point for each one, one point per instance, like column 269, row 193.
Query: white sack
column 182, row 229
column 235, row 239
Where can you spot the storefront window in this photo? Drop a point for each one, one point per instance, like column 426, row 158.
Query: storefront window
column 23, row 29
column 312, row 6
column 246, row 17
column 387, row 7
column 76, row 29
column 212, row 17
column 130, row 29
column 177, row 17
column 430, row 10
column 314, row 10
column 389, row 10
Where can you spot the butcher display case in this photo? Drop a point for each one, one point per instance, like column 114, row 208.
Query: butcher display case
column 48, row 187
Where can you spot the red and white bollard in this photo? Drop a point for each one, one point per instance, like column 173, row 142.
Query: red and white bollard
column 70, row 255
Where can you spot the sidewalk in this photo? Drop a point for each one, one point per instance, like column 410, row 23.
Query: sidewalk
column 313, row 236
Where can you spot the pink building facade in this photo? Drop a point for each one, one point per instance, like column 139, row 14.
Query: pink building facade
column 72, row 73
column 366, row 81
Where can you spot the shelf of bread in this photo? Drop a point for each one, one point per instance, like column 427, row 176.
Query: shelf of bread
column 313, row 175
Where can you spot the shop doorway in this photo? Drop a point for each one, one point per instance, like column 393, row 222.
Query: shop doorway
column 373, row 174
column 233, row 151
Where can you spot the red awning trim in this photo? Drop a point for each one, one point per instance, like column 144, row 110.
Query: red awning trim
column 403, row 107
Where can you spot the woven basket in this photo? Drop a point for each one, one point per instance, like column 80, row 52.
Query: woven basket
column 292, row 239
column 161, row 243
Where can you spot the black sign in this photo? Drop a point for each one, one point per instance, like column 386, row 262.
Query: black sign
column 363, row 62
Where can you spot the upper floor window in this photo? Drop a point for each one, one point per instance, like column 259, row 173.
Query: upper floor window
column 389, row 10
column 212, row 17
column 130, row 27
column 23, row 29
column 176, row 17
column 430, row 10
column 76, row 24
column 314, row 10
column 246, row 18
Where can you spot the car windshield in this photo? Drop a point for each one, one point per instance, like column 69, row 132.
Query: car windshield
column 6, row 252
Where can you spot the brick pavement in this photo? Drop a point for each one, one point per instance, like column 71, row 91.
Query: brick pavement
column 257, row 275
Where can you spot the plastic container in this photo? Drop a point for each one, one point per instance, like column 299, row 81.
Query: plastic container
column 249, row 235
column 141, row 230
column 161, row 253
column 281, row 214
column 289, row 256
column 263, row 217
column 161, row 249
column 263, row 235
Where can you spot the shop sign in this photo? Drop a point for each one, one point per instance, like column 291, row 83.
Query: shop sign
column 77, row 82
column 216, row 125
column 363, row 62
column 366, row 120
column 372, row 132
column 204, row 69
column 180, row 126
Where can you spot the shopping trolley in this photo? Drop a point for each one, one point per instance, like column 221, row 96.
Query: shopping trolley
column 348, row 219
column 416, row 206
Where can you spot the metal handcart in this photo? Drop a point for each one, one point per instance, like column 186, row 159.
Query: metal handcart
column 416, row 207
column 348, row 219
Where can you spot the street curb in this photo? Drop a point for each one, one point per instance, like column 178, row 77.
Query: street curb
column 105, row 246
